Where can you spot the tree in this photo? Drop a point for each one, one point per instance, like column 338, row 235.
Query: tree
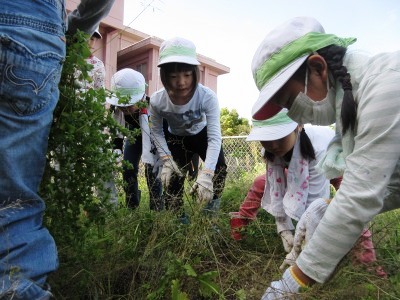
column 232, row 124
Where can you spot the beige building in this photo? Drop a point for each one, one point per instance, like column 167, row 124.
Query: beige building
column 125, row 47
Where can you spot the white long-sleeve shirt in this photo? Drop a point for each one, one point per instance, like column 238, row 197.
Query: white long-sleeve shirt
column 371, row 180
column 186, row 120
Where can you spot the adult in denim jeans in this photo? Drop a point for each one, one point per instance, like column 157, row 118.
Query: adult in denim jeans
column 32, row 50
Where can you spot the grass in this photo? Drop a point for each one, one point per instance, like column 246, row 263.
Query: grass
column 143, row 254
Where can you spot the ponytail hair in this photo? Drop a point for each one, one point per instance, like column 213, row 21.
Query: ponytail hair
column 306, row 147
column 333, row 56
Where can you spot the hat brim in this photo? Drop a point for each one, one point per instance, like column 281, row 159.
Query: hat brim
column 179, row 59
column 263, row 109
column 114, row 101
column 271, row 133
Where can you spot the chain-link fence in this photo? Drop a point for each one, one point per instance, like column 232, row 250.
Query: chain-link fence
column 240, row 156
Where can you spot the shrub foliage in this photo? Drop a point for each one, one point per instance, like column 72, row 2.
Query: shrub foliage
column 80, row 157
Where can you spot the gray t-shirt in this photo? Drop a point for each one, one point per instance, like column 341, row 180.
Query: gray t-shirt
column 188, row 119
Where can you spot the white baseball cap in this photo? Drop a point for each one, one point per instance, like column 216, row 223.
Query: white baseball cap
column 178, row 50
column 273, row 128
column 281, row 54
column 127, row 82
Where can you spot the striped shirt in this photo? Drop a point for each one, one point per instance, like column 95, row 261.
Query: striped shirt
column 371, row 181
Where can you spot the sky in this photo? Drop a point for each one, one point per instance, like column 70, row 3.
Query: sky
column 230, row 31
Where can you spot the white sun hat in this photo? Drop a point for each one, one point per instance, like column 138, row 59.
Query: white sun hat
column 273, row 128
column 127, row 82
column 281, row 54
column 178, row 50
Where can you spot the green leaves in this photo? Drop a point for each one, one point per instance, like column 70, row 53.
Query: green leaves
column 178, row 272
column 208, row 286
column 176, row 293
column 232, row 124
column 80, row 159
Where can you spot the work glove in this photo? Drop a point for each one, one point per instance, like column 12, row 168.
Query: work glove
column 290, row 258
column 203, row 186
column 305, row 229
column 286, row 288
column 169, row 169
column 285, row 229
column 287, row 240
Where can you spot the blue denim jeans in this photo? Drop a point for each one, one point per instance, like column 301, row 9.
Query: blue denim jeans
column 31, row 56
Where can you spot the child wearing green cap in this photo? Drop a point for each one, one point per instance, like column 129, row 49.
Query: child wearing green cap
column 313, row 74
column 192, row 113
column 292, row 181
column 132, row 114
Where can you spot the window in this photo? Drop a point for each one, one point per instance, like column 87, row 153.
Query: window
column 142, row 68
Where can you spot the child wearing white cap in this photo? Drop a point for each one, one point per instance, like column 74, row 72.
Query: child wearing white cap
column 292, row 181
column 313, row 74
column 193, row 117
column 132, row 113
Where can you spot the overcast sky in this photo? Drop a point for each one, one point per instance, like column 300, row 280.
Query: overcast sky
column 230, row 31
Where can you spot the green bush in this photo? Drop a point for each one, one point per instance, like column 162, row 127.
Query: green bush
column 80, row 158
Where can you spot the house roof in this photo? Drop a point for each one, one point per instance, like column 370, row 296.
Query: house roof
column 153, row 42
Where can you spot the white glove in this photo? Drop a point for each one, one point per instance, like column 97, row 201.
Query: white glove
column 305, row 229
column 290, row 258
column 286, row 288
column 204, row 186
column 287, row 240
column 169, row 169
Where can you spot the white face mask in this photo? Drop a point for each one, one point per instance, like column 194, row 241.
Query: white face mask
column 305, row 110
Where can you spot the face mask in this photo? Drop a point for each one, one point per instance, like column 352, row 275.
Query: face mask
column 305, row 110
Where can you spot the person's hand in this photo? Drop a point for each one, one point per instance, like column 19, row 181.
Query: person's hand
column 286, row 288
column 290, row 258
column 204, row 186
column 287, row 240
column 305, row 229
column 309, row 221
column 169, row 169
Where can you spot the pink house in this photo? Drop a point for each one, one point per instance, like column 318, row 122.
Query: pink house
column 124, row 47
